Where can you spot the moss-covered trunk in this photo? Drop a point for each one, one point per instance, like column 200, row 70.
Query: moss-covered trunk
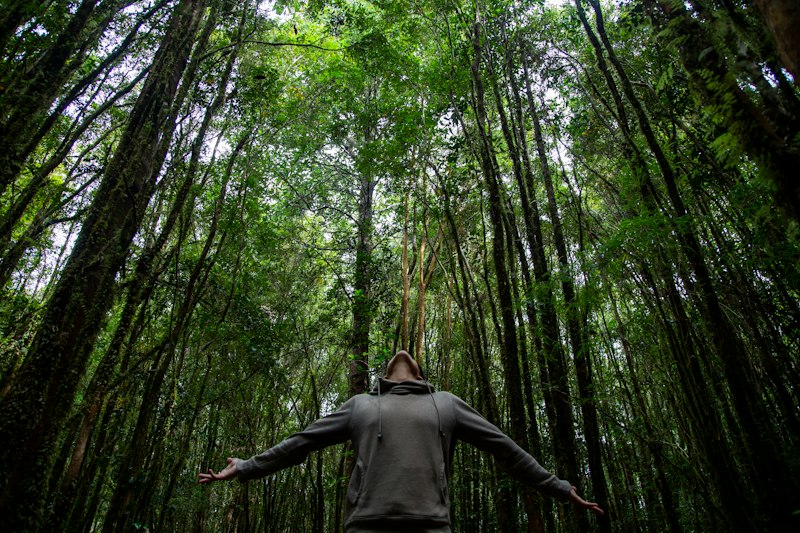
column 42, row 391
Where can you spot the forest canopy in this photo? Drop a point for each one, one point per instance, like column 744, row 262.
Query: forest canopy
column 219, row 220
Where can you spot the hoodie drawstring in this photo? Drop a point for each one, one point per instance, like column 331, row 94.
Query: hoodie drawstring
column 436, row 407
column 380, row 421
column 442, row 438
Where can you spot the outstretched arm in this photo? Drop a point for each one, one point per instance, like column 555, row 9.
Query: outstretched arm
column 229, row 472
column 326, row 431
column 471, row 427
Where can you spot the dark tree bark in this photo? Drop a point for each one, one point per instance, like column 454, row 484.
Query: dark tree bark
column 782, row 17
column 32, row 94
column 406, row 278
column 362, row 305
column 470, row 304
column 575, row 321
column 33, row 410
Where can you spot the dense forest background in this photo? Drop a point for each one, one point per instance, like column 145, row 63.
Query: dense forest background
column 219, row 219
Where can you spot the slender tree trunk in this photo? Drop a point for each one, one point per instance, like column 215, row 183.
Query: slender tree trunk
column 476, row 333
column 318, row 515
column 510, row 352
column 93, row 476
column 32, row 94
column 421, row 286
column 581, row 356
column 406, row 280
column 32, row 412
column 362, row 306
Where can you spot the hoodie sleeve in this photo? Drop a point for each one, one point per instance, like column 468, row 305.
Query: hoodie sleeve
column 327, row 431
column 474, row 429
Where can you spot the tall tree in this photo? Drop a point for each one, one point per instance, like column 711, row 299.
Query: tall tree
column 609, row 279
column 43, row 389
column 32, row 89
column 767, row 131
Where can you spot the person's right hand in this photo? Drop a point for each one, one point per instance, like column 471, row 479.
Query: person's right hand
column 580, row 502
column 229, row 472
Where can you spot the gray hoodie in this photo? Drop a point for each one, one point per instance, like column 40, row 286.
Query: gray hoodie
column 403, row 435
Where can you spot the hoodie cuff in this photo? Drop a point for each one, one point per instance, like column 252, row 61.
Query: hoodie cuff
column 562, row 489
column 244, row 470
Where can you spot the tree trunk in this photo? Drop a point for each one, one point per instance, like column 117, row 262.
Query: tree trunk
column 33, row 411
column 581, row 356
column 31, row 94
column 421, row 286
column 406, row 280
column 783, row 18
column 510, row 351
column 362, row 305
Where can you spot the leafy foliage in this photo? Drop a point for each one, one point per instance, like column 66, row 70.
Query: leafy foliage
column 638, row 151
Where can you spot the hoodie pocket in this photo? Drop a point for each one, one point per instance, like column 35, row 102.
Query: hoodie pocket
column 356, row 483
column 444, row 490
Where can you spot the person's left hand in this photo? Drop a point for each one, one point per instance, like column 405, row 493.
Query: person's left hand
column 229, row 472
column 580, row 502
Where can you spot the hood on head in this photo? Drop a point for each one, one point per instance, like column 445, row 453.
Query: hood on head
column 402, row 387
